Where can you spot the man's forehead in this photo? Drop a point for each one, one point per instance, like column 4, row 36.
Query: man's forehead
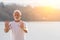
column 17, row 12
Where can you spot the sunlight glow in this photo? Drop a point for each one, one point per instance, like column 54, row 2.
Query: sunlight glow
column 53, row 3
column 49, row 9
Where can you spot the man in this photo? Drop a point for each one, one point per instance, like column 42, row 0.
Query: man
column 17, row 26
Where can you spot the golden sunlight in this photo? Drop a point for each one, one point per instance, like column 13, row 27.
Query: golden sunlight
column 52, row 3
column 43, row 9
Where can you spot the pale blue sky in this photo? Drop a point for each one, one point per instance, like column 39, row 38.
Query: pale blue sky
column 53, row 3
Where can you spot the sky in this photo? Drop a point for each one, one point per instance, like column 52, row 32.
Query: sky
column 53, row 3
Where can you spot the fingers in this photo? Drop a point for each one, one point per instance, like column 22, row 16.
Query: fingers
column 21, row 24
column 6, row 23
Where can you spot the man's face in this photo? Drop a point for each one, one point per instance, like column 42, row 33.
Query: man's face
column 17, row 16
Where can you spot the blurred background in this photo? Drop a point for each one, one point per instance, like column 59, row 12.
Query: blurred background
column 32, row 10
column 42, row 18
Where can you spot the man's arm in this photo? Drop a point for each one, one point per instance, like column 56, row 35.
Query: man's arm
column 23, row 27
column 6, row 29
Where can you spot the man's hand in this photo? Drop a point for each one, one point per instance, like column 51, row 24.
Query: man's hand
column 23, row 27
column 6, row 29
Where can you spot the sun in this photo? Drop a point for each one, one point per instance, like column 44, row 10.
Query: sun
column 52, row 3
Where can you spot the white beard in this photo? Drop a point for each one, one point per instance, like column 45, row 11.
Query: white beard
column 16, row 19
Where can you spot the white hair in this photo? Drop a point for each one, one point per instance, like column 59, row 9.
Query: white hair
column 17, row 11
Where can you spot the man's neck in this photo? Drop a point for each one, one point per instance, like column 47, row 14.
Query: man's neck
column 17, row 20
